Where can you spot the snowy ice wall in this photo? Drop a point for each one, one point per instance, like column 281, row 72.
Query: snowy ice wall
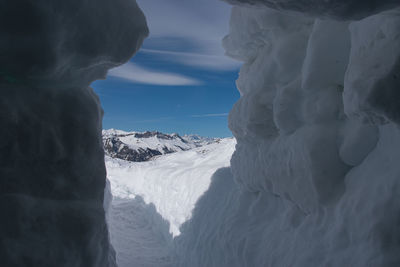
column 315, row 179
column 52, row 172
column 340, row 9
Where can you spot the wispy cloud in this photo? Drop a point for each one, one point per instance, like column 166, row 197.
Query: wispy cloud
column 204, row 21
column 207, row 61
column 210, row 115
column 133, row 73
column 201, row 25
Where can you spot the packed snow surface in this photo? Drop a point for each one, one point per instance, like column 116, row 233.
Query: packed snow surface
column 139, row 234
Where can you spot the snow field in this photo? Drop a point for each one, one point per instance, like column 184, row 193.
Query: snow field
column 172, row 182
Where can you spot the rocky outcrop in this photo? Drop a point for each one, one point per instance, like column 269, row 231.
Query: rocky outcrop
column 116, row 149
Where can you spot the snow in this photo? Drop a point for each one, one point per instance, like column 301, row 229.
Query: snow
column 52, row 178
column 154, row 143
column 336, row 9
column 52, row 171
column 371, row 80
column 139, row 234
column 64, row 43
column 138, row 147
column 172, row 182
column 158, row 141
column 152, row 199
column 314, row 179
column 114, row 132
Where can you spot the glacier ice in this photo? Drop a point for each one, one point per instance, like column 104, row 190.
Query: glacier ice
column 314, row 180
column 52, row 171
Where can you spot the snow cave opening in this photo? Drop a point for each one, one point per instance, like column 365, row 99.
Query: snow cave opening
column 314, row 177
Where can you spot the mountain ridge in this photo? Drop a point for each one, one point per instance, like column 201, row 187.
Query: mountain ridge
column 144, row 146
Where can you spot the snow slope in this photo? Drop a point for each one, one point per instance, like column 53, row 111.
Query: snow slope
column 152, row 199
column 172, row 182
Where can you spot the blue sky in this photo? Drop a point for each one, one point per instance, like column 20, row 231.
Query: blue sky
column 180, row 81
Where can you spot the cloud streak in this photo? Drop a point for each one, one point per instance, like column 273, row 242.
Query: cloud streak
column 210, row 115
column 133, row 73
column 200, row 25
column 206, row 20
column 215, row 62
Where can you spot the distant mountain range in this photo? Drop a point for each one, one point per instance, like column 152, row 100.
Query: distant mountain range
column 143, row 146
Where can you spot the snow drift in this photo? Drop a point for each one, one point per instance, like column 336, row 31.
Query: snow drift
column 52, row 172
column 314, row 180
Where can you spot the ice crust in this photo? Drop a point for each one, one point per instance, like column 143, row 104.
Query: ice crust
column 52, row 171
column 314, row 180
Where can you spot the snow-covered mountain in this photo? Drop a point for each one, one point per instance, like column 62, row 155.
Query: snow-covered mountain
column 143, row 146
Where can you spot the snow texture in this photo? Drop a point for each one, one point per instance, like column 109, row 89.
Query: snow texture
column 314, row 180
column 67, row 43
column 173, row 182
column 338, row 9
column 52, row 171
column 139, row 234
column 152, row 199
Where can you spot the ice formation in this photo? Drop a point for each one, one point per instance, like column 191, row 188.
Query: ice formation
column 314, row 180
column 52, row 172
